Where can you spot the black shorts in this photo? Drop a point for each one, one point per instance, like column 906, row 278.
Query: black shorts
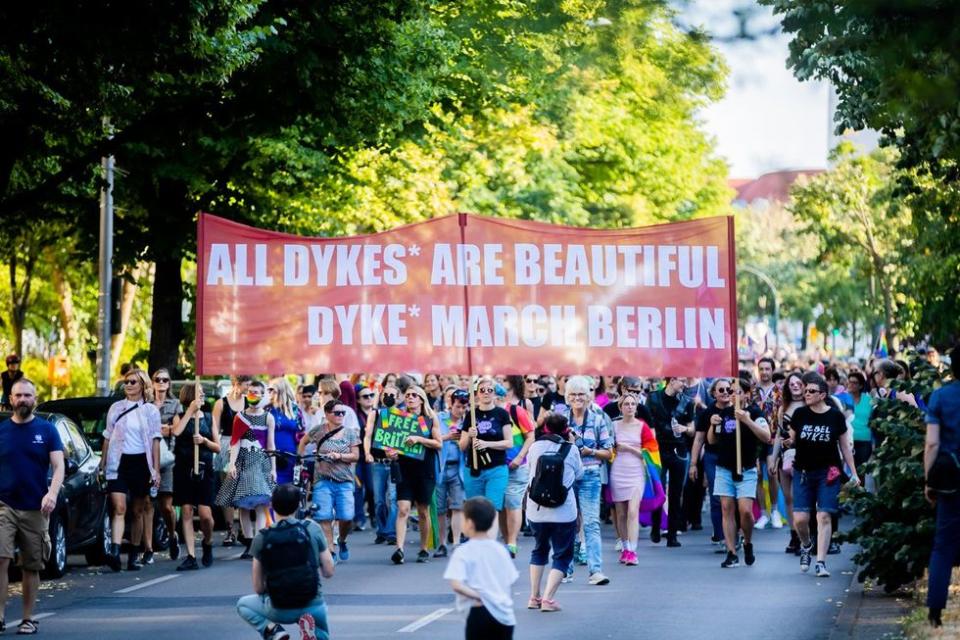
column 133, row 476
column 190, row 490
column 416, row 487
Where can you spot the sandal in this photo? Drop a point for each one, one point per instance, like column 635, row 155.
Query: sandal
column 534, row 603
column 27, row 627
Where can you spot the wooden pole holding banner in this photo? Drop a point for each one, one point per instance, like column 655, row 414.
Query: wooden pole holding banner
column 473, row 420
column 736, row 407
column 196, row 430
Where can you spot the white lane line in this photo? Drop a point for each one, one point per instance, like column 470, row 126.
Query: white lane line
column 148, row 583
column 236, row 556
column 41, row 616
column 425, row 620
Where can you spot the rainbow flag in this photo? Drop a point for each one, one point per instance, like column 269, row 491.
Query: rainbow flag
column 882, row 350
column 653, row 494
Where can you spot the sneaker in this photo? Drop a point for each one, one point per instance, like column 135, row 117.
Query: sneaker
column 598, row 579
column 147, row 558
column 568, row 576
column 174, row 547
column 380, row 539
column 534, row 603
column 632, row 559
column 619, row 546
column 344, row 552
column 133, row 564
column 794, row 545
column 748, row 556
column 276, row 632
column 731, row 561
column 805, row 558
column 392, row 541
column 673, row 542
column 548, row 606
column 441, row 552
column 655, row 535
column 206, row 556
column 512, row 548
column 308, row 627
column 189, row 564
column 834, row 549
column 776, row 520
column 762, row 522
column 230, row 540
column 623, row 556
column 423, row 556
column 821, row 570
column 397, row 556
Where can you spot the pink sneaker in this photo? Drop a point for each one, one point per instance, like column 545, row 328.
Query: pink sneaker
column 631, row 560
column 308, row 627
column 623, row 556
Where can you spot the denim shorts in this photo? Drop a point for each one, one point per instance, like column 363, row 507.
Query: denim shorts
column 334, row 500
column 553, row 536
column 812, row 493
column 725, row 487
column 516, row 487
column 491, row 483
column 450, row 489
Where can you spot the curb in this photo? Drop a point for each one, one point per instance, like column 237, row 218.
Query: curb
column 869, row 615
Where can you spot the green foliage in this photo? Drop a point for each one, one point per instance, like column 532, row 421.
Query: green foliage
column 894, row 63
column 82, row 379
column 894, row 526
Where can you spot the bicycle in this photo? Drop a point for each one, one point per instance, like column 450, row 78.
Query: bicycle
column 302, row 479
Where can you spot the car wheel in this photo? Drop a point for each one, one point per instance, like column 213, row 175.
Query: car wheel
column 57, row 563
column 96, row 554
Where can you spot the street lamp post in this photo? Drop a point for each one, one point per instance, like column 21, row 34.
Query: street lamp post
column 106, row 274
column 776, row 299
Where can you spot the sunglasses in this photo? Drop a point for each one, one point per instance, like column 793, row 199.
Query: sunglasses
column 531, row 381
column 485, row 390
column 161, row 380
column 130, row 383
column 339, row 414
column 367, row 396
column 637, row 391
column 723, row 390
column 410, row 396
column 812, row 392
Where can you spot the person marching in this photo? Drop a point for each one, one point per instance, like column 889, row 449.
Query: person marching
column 450, row 492
column 522, row 430
column 485, row 439
column 628, row 473
column 382, row 472
column 785, row 453
column 224, row 411
column 736, row 481
column 169, row 408
column 196, row 435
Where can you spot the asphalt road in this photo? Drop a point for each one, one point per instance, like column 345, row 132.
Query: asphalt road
column 672, row 593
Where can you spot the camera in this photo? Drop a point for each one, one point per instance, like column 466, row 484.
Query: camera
column 389, row 399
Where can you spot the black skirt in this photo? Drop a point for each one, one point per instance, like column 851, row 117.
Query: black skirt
column 190, row 490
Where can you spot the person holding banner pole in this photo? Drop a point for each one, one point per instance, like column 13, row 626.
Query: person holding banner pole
column 418, row 478
column 197, row 440
column 488, row 435
column 382, row 472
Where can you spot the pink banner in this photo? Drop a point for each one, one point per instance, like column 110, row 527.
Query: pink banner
column 469, row 294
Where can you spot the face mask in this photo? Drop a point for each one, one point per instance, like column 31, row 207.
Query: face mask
column 253, row 399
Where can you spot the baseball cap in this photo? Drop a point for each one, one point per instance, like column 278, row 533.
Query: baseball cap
column 13, row 359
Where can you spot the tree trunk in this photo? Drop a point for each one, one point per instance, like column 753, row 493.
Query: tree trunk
column 803, row 335
column 886, row 291
column 166, row 326
column 65, row 297
column 20, row 296
column 128, row 294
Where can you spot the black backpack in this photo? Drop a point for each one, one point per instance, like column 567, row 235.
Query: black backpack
column 290, row 564
column 547, row 488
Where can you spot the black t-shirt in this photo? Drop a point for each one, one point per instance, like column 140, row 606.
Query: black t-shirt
column 490, row 424
column 662, row 408
column 550, row 400
column 183, row 446
column 818, row 438
column 726, row 447
column 703, row 423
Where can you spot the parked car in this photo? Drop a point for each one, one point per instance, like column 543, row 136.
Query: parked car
column 80, row 523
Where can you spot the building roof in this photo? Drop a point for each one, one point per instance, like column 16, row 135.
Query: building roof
column 772, row 187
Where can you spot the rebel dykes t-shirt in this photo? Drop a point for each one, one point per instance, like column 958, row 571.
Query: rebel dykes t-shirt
column 817, row 438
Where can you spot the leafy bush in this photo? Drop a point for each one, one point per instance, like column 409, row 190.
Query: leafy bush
column 894, row 526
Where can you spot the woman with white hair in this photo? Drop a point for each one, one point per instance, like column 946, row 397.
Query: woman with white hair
column 593, row 437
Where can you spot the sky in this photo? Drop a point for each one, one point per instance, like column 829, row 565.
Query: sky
column 768, row 119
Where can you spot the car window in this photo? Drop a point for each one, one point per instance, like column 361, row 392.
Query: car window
column 69, row 448
column 79, row 442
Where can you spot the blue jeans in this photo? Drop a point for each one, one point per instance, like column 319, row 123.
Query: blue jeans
column 946, row 550
column 334, row 500
column 716, row 511
column 257, row 611
column 491, row 483
column 384, row 500
column 588, row 493
column 556, row 536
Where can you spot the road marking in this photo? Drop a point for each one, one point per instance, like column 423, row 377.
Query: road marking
column 148, row 583
column 41, row 616
column 236, row 556
column 425, row 620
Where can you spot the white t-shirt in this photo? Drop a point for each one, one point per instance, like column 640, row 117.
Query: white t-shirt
column 485, row 566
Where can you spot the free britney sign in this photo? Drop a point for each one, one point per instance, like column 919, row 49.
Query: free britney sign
column 469, row 294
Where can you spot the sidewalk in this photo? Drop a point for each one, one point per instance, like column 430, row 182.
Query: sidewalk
column 871, row 614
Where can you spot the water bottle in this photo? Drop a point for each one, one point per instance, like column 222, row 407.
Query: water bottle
column 153, row 491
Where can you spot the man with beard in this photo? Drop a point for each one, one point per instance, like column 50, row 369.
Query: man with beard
column 29, row 446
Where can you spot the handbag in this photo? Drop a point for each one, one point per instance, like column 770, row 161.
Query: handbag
column 167, row 457
column 944, row 475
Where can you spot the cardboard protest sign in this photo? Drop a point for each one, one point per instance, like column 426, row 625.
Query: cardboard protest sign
column 393, row 428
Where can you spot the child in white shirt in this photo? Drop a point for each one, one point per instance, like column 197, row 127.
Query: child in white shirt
column 481, row 574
